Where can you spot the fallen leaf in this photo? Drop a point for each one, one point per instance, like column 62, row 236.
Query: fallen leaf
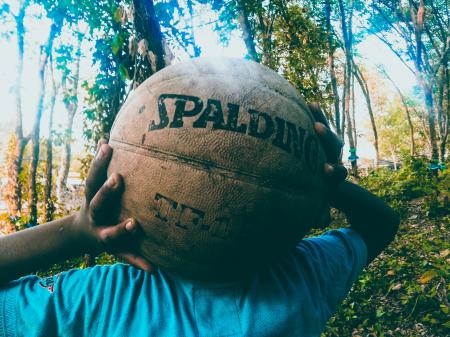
column 397, row 287
column 427, row 276
column 444, row 253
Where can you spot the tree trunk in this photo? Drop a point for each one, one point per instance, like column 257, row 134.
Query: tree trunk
column 331, row 64
column 443, row 111
column 365, row 89
column 49, row 205
column 355, row 136
column 431, row 119
column 35, row 135
column 147, row 27
column 247, row 34
column 13, row 191
column 71, row 107
column 348, row 49
column 421, row 75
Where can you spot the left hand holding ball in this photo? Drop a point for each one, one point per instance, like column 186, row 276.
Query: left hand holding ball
column 96, row 220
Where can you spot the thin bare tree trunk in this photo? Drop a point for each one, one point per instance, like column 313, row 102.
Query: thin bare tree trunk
column 247, row 34
column 421, row 75
column 355, row 136
column 13, row 190
column 443, row 112
column 365, row 89
column 35, row 135
column 71, row 107
column 331, row 65
column 347, row 34
column 431, row 118
column 48, row 201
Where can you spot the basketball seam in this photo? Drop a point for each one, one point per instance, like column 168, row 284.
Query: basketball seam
column 204, row 165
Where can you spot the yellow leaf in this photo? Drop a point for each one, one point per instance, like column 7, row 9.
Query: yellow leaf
column 391, row 272
column 427, row 276
column 444, row 253
column 118, row 14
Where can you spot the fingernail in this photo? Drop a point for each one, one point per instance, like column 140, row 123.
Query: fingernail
column 111, row 182
column 100, row 154
column 328, row 168
column 320, row 127
column 130, row 226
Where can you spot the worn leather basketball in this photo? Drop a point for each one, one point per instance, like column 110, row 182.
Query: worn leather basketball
column 221, row 166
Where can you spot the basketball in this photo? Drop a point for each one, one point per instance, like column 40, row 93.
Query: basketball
column 221, row 166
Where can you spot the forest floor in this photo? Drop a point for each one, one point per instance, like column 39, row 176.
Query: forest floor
column 405, row 292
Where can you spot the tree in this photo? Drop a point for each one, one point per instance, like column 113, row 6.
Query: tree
column 70, row 83
column 48, row 200
column 407, row 111
column 346, row 16
column 45, row 55
column 13, row 191
column 366, row 92
column 423, row 29
column 394, row 130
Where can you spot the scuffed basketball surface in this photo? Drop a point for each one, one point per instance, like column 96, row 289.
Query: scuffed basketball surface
column 221, row 166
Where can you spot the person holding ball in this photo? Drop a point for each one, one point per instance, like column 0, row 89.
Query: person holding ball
column 292, row 296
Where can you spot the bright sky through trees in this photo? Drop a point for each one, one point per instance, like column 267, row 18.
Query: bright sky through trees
column 371, row 49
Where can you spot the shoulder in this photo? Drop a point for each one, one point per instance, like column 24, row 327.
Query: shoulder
column 338, row 241
column 340, row 250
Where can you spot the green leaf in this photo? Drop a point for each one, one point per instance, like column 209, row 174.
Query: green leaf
column 447, row 324
column 117, row 43
column 123, row 72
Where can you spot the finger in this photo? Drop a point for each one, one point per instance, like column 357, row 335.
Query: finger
column 97, row 172
column 318, row 114
column 330, row 142
column 107, row 199
column 137, row 261
column 111, row 236
column 335, row 173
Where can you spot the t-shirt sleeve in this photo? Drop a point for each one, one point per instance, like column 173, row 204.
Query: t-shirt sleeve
column 69, row 303
column 334, row 261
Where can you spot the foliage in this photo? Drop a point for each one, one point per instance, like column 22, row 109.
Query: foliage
column 406, row 290
column 105, row 95
column 413, row 180
column 393, row 129
column 300, row 54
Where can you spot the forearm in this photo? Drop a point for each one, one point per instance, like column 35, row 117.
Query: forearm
column 367, row 214
column 26, row 251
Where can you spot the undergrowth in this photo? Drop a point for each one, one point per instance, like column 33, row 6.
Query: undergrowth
column 405, row 291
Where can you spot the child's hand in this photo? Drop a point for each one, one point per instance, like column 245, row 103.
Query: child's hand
column 332, row 145
column 96, row 220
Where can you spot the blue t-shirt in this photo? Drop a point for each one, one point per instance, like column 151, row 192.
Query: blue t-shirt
column 294, row 297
